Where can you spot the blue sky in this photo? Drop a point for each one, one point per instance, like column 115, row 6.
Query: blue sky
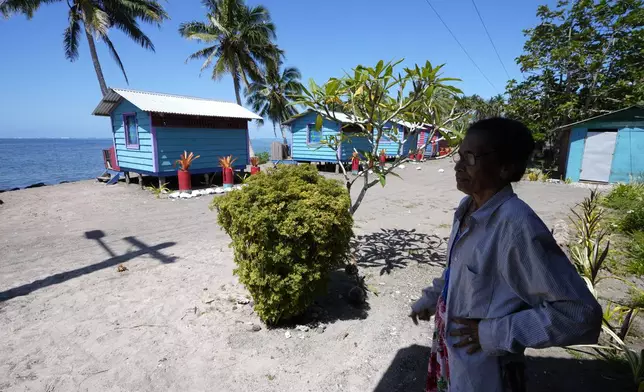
column 44, row 95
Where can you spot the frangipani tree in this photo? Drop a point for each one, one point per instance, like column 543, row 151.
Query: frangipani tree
column 372, row 98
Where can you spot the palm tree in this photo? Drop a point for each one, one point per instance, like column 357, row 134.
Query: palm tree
column 272, row 96
column 95, row 18
column 239, row 39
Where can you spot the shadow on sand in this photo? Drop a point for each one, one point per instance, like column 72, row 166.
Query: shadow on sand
column 96, row 235
column 408, row 372
column 396, row 248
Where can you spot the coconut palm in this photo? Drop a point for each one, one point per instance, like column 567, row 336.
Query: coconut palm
column 95, row 18
column 239, row 39
column 272, row 96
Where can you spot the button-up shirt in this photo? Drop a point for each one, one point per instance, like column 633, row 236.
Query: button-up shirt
column 507, row 270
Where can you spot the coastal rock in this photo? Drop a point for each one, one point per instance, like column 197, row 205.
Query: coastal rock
column 401, row 166
column 302, row 328
column 226, row 190
column 287, row 335
column 441, row 170
column 174, row 195
column 219, row 190
column 418, row 168
column 37, row 185
column 210, row 191
column 255, row 328
column 185, row 195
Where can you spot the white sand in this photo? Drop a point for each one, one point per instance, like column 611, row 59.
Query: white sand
column 172, row 322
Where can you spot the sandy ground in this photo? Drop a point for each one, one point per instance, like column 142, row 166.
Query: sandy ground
column 177, row 320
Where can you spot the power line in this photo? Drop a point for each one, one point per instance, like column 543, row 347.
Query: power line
column 490, row 38
column 459, row 44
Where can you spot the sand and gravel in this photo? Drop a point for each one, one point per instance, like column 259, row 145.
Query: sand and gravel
column 177, row 320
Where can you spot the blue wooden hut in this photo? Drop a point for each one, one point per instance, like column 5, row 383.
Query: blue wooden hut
column 305, row 139
column 151, row 130
column 607, row 148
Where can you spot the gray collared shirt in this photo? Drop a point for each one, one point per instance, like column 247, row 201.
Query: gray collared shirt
column 507, row 270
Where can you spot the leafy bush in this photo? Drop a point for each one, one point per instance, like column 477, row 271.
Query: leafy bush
column 633, row 220
column 624, row 197
column 290, row 228
column 635, row 254
column 264, row 157
column 533, row 175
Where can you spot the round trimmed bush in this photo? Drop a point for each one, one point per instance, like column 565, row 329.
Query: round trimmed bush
column 290, row 227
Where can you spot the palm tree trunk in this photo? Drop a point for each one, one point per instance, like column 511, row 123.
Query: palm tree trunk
column 97, row 65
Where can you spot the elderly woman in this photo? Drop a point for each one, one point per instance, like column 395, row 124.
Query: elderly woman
column 507, row 285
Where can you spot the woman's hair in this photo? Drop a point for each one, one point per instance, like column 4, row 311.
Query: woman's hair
column 511, row 141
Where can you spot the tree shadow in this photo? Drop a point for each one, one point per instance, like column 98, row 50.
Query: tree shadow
column 408, row 373
column 114, row 260
column 395, row 248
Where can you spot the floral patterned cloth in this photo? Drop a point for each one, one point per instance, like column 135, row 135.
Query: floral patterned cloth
column 438, row 372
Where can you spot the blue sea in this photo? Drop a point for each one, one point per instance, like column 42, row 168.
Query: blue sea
column 24, row 162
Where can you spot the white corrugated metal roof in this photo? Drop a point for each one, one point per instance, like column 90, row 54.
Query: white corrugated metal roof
column 174, row 104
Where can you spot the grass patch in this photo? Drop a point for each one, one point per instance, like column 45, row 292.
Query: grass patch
column 625, row 197
column 635, row 255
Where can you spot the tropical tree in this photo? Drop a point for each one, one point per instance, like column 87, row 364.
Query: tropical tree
column 583, row 59
column 370, row 99
column 95, row 18
column 239, row 39
column 481, row 108
column 272, row 96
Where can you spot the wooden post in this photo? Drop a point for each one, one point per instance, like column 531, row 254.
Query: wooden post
column 127, row 177
column 207, row 177
column 337, row 169
column 161, row 182
column 141, row 180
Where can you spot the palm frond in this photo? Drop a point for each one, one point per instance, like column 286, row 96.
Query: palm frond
column 71, row 36
column 116, row 56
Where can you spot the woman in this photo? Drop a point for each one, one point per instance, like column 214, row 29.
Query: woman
column 507, row 285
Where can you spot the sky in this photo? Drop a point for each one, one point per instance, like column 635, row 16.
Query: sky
column 44, row 95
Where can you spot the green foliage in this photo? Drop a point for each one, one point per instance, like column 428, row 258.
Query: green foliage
column 239, row 40
column 582, row 59
column 533, row 175
column 633, row 220
column 264, row 157
column 568, row 181
column 157, row 191
column 290, row 227
column 635, row 254
column 369, row 99
column 272, row 96
column 591, row 248
column 624, row 197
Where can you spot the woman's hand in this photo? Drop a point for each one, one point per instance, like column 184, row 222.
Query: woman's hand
column 422, row 315
column 469, row 334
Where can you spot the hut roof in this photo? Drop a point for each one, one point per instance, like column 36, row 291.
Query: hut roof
column 172, row 104
column 637, row 111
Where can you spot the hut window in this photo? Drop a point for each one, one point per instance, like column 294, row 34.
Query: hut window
column 131, row 130
column 313, row 136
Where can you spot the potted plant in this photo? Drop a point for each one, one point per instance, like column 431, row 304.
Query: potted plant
column 420, row 154
column 227, row 167
column 355, row 163
column 383, row 159
column 254, row 165
column 412, row 154
column 184, row 162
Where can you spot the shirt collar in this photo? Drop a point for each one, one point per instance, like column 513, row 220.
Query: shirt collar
column 485, row 212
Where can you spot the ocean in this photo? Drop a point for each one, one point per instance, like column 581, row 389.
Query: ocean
column 24, row 162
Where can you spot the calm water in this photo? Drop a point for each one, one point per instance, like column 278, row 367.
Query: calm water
column 29, row 161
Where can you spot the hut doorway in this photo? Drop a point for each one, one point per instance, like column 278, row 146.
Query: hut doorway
column 598, row 155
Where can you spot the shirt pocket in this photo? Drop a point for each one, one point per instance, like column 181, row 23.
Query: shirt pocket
column 477, row 293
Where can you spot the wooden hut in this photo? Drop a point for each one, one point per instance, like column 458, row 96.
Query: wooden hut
column 151, row 130
column 607, row 148
column 305, row 139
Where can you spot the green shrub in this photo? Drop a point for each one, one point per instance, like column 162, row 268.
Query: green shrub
column 625, row 197
column 635, row 254
column 290, row 227
column 633, row 220
column 264, row 157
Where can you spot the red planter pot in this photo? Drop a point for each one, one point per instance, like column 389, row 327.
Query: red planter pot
column 383, row 159
column 184, row 180
column 254, row 170
column 419, row 156
column 229, row 178
column 412, row 156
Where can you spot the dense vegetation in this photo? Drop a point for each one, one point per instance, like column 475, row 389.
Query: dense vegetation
column 290, row 227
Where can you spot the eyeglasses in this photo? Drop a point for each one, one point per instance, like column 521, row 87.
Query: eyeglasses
column 469, row 158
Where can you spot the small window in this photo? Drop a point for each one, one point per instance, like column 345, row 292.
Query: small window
column 131, row 131
column 313, row 136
